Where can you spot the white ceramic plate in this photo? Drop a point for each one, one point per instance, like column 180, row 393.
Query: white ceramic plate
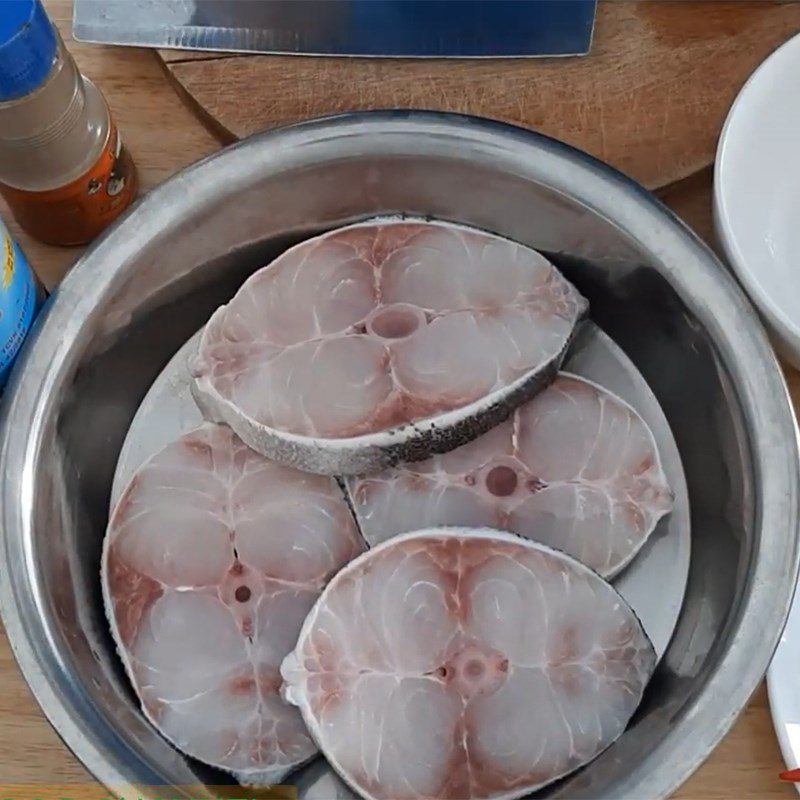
column 757, row 194
column 783, row 687
column 757, row 216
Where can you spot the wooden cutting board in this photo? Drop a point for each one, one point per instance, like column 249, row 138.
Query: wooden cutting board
column 650, row 99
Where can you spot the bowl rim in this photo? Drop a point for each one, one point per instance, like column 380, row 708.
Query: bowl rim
column 785, row 327
column 695, row 274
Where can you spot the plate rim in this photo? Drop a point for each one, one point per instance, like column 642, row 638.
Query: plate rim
column 787, row 329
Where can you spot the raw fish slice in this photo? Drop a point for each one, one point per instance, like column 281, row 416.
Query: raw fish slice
column 212, row 560
column 456, row 664
column 384, row 342
column 575, row 468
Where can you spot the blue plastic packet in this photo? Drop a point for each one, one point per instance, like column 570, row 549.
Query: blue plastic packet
column 21, row 297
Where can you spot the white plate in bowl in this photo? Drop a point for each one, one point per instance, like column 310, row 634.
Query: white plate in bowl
column 168, row 411
column 757, row 194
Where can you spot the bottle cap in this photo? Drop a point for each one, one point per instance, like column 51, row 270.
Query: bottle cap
column 28, row 47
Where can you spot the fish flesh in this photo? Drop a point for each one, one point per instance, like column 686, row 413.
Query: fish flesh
column 455, row 664
column 212, row 559
column 575, row 468
column 383, row 342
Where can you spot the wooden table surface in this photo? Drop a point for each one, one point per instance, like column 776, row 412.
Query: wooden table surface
column 163, row 136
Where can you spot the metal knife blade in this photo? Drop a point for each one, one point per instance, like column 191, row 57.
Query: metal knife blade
column 388, row 28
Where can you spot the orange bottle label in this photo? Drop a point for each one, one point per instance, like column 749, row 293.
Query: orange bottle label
column 77, row 212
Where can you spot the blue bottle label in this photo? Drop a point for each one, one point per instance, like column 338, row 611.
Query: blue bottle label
column 19, row 301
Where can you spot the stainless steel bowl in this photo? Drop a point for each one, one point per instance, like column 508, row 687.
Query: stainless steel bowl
column 152, row 280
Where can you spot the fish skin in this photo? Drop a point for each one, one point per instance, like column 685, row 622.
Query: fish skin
column 212, row 559
column 457, row 665
column 384, row 342
column 586, row 470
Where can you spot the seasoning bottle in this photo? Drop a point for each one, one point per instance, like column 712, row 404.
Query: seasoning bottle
column 63, row 170
column 21, row 296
